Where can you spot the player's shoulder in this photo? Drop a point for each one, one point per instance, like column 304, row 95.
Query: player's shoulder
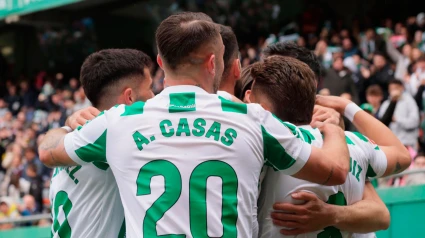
column 121, row 110
column 360, row 141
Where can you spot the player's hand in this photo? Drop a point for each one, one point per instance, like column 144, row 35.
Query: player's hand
column 80, row 117
column 313, row 215
column 337, row 103
column 322, row 115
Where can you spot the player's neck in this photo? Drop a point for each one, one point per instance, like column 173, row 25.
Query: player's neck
column 188, row 81
column 228, row 86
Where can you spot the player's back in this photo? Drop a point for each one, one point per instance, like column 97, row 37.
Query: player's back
column 188, row 163
column 86, row 203
column 278, row 187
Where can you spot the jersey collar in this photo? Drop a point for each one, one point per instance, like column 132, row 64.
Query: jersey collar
column 183, row 89
column 307, row 127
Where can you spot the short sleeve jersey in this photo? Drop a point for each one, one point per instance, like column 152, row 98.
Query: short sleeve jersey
column 86, row 202
column 366, row 159
column 187, row 162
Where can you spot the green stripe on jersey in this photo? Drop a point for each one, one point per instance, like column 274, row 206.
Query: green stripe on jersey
column 101, row 165
column 95, row 152
column 308, row 137
column 349, row 141
column 362, row 137
column 370, row 172
column 290, row 126
column 182, row 102
column 122, row 230
column 275, row 155
column 134, row 109
column 229, row 106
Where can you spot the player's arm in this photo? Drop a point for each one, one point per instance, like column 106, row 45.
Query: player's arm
column 367, row 215
column 84, row 145
column 52, row 149
column 287, row 152
column 398, row 158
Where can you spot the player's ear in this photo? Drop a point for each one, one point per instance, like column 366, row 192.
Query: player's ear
column 211, row 64
column 129, row 96
column 237, row 68
column 159, row 61
column 247, row 97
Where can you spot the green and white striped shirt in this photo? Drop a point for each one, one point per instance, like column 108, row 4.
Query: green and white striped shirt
column 366, row 160
column 86, row 202
column 187, row 163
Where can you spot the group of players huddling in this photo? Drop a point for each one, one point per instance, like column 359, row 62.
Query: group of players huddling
column 221, row 151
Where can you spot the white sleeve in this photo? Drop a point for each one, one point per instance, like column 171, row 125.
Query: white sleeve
column 87, row 144
column 284, row 148
column 377, row 160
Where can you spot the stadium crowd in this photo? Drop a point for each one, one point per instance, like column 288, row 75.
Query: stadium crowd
column 382, row 69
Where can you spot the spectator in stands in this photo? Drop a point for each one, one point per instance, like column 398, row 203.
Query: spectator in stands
column 348, row 48
column 81, row 100
column 28, row 208
column 7, row 210
column 402, row 59
column 339, row 81
column 3, row 108
column 379, row 73
column 405, row 121
column 31, row 158
column 371, row 44
column 374, row 97
column 73, row 85
column 27, row 94
column 47, row 88
column 13, row 100
column 36, row 186
column 323, row 54
column 416, row 79
column 416, row 178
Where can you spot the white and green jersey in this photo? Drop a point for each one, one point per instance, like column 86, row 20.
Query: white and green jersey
column 86, row 202
column 366, row 159
column 187, row 163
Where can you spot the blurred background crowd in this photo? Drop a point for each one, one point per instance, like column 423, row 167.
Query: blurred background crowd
column 377, row 63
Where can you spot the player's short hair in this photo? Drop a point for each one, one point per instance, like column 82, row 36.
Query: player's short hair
column 231, row 48
column 244, row 83
column 298, row 52
column 374, row 90
column 290, row 86
column 104, row 69
column 182, row 34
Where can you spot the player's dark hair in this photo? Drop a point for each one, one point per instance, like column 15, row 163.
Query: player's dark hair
column 182, row 34
column 298, row 52
column 244, row 83
column 104, row 69
column 289, row 85
column 231, row 48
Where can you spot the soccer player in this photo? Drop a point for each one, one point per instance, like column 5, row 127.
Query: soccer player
column 286, row 87
column 85, row 199
column 187, row 150
column 359, row 217
column 232, row 64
